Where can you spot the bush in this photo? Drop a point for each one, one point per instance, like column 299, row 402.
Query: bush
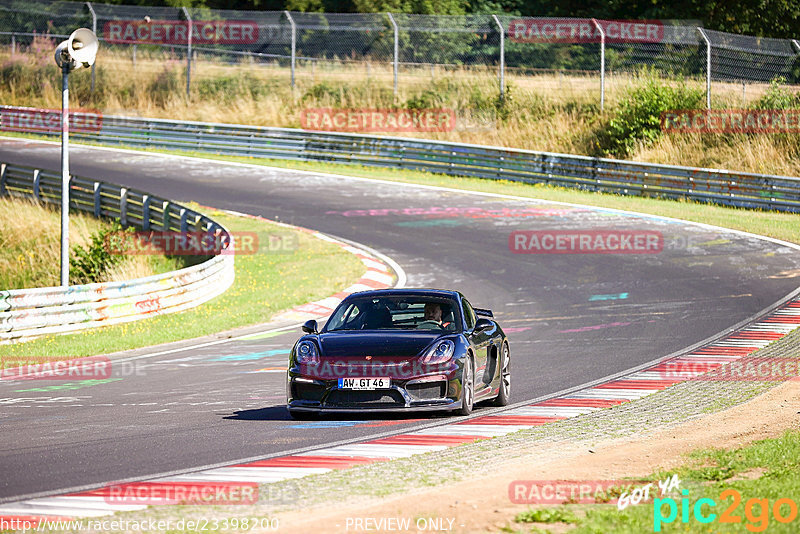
column 323, row 91
column 88, row 265
column 778, row 97
column 637, row 120
column 231, row 88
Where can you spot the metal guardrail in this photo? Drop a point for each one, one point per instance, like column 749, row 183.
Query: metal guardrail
column 723, row 187
column 27, row 313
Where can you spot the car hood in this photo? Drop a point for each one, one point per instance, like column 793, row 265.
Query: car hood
column 401, row 344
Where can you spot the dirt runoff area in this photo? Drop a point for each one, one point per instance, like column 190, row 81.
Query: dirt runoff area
column 482, row 504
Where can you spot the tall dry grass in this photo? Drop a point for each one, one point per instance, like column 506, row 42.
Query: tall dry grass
column 30, row 245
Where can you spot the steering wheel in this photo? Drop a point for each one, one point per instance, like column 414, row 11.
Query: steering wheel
column 427, row 325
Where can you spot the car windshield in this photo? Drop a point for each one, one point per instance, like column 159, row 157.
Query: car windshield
column 395, row 313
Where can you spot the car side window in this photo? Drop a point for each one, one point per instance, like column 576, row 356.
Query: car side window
column 469, row 314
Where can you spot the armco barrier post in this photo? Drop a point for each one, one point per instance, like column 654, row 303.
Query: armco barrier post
column 2, row 179
column 37, row 177
column 146, row 212
column 602, row 63
column 708, row 66
column 123, row 207
column 502, row 73
column 796, row 45
column 294, row 41
column 396, row 48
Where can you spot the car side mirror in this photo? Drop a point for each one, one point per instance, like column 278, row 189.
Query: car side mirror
column 310, row 327
column 483, row 324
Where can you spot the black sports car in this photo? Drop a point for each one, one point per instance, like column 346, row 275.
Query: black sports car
column 399, row 349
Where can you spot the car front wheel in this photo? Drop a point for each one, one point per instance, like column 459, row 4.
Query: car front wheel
column 504, row 393
column 467, row 388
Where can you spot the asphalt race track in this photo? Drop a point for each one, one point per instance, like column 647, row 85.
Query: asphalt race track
column 571, row 318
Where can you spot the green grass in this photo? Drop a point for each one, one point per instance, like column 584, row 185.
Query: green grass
column 546, row 515
column 766, row 469
column 266, row 283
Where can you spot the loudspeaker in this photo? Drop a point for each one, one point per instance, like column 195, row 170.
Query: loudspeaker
column 79, row 50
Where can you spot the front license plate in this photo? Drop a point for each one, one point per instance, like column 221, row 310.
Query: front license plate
column 365, row 383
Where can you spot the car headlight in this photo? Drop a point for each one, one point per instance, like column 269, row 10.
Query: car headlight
column 439, row 353
column 306, row 353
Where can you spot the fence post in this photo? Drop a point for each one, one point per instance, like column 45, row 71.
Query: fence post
column 188, row 50
column 796, row 45
column 94, row 29
column 602, row 64
column 294, row 41
column 13, row 44
column 396, row 50
column 708, row 66
column 2, row 179
column 502, row 73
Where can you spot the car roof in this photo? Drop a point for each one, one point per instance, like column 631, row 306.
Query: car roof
column 417, row 292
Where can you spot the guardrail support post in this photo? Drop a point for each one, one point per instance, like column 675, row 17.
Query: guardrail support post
column 294, row 41
column 602, row 64
column 165, row 215
column 146, row 212
column 183, row 220
column 502, row 73
column 123, row 207
column 36, row 184
column 97, row 199
column 3, row 179
column 396, row 50
column 188, row 50
column 708, row 66
column 796, row 45
column 94, row 30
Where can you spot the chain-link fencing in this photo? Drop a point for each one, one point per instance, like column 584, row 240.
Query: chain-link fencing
column 558, row 54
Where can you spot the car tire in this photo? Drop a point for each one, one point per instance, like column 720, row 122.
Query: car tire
column 467, row 387
column 300, row 415
column 504, row 394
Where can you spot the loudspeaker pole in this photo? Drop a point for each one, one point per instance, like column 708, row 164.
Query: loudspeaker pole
column 65, row 68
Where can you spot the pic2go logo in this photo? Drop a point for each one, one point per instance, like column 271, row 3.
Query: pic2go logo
column 756, row 511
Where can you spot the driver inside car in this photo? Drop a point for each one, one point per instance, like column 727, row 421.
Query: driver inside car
column 433, row 313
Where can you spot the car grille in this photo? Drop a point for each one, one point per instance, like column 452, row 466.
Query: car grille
column 306, row 391
column 427, row 390
column 343, row 397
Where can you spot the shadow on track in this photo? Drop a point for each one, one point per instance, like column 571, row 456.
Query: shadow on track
column 280, row 413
